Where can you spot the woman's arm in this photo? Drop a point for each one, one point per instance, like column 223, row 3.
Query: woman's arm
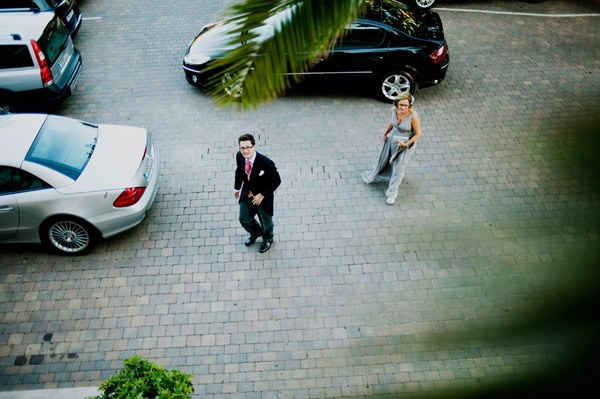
column 389, row 128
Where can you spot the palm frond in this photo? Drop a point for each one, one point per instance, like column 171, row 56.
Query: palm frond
column 262, row 64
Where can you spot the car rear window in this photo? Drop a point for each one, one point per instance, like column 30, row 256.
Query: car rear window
column 401, row 18
column 15, row 56
column 53, row 40
column 64, row 145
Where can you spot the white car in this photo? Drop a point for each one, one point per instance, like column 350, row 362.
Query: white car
column 68, row 183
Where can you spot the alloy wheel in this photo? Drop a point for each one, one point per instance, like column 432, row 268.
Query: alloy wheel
column 69, row 237
column 424, row 4
column 395, row 84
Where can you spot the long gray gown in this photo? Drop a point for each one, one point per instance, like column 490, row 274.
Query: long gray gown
column 391, row 165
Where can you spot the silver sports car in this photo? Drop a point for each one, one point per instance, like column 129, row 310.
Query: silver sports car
column 68, row 183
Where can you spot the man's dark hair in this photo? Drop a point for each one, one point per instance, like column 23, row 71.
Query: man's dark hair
column 247, row 137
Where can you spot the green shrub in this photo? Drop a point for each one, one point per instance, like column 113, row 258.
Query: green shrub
column 142, row 379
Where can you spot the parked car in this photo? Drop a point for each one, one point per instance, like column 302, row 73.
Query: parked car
column 38, row 63
column 389, row 48
column 68, row 183
column 427, row 4
column 66, row 10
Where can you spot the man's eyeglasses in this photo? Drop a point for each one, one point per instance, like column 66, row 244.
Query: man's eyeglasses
column 246, row 148
column 403, row 105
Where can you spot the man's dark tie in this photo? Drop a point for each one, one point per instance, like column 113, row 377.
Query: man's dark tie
column 248, row 168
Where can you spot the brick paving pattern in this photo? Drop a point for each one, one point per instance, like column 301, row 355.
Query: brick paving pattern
column 356, row 298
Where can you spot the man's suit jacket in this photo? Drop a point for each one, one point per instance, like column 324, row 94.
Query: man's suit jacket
column 264, row 179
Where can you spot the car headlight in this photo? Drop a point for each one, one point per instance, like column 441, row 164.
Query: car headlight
column 196, row 59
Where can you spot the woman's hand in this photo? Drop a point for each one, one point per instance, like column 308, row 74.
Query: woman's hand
column 402, row 144
column 385, row 137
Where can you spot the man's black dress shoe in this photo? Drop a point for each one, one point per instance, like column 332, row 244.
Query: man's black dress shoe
column 265, row 246
column 250, row 240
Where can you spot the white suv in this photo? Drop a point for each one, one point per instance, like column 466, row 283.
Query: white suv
column 38, row 63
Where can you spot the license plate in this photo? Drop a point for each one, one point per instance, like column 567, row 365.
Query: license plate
column 148, row 169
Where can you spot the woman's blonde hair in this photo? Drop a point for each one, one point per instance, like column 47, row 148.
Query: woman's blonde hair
column 405, row 96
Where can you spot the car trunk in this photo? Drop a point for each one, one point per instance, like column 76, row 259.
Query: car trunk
column 116, row 161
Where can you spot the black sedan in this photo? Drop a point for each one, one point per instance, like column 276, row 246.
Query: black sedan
column 389, row 48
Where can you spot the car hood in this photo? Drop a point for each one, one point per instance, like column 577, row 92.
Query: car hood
column 213, row 40
column 115, row 161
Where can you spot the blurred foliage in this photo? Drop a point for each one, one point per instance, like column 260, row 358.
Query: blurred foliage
column 258, row 65
column 573, row 319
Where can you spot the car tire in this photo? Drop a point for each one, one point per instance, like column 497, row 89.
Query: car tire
column 393, row 84
column 422, row 4
column 68, row 235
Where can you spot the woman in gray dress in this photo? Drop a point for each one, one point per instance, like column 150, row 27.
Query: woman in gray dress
column 399, row 141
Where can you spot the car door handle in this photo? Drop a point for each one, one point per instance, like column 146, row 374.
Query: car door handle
column 375, row 58
column 6, row 209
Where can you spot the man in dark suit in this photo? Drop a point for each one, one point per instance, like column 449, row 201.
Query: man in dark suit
column 256, row 179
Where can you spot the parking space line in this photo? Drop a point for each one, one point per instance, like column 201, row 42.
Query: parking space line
column 526, row 14
column 91, row 18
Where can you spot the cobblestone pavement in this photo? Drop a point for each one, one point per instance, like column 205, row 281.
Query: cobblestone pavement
column 356, row 298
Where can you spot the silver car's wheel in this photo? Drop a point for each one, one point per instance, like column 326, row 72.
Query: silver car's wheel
column 423, row 4
column 231, row 85
column 70, row 237
column 394, row 84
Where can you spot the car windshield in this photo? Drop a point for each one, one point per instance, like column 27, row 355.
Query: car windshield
column 64, row 145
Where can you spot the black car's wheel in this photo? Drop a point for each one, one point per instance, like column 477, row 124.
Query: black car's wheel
column 69, row 236
column 422, row 4
column 393, row 84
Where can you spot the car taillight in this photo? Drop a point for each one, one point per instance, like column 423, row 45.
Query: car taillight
column 45, row 71
column 440, row 54
column 129, row 196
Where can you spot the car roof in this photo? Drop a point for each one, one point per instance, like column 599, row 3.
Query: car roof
column 17, row 132
column 25, row 24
